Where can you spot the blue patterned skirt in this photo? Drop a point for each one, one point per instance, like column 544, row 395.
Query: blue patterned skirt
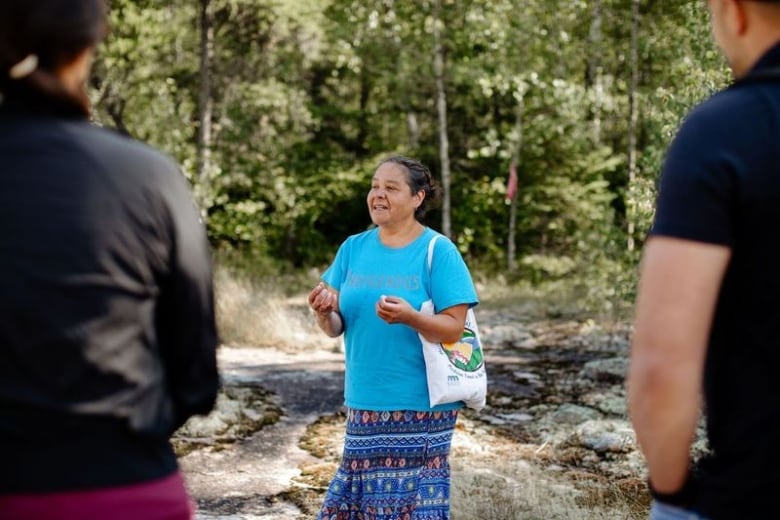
column 395, row 466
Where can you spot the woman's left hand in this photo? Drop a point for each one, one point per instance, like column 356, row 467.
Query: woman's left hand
column 393, row 309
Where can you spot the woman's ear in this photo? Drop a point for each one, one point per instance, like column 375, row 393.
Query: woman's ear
column 420, row 197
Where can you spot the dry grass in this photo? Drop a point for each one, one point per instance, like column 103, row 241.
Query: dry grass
column 566, row 298
column 493, row 478
column 272, row 310
column 324, row 439
column 259, row 312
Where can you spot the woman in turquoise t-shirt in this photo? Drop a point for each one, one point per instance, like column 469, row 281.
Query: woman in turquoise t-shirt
column 395, row 461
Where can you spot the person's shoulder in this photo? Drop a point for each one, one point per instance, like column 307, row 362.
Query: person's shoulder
column 442, row 241
column 736, row 105
column 444, row 248
column 122, row 151
column 735, row 120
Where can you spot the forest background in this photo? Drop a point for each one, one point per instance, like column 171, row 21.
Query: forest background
column 279, row 110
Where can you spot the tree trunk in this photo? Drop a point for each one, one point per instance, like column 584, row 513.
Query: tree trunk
column 205, row 102
column 441, row 104
column 595, row 71
column 116, row 110
column 414, row 129
column 633, row 111
column 511, row 253
column 363, row 115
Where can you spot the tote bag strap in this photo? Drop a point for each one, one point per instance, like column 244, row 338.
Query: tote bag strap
column 431, row 245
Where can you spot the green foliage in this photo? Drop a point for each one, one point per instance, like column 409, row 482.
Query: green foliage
column 307, row 96
column 145, row 74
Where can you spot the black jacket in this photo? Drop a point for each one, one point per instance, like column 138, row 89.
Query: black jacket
column 107, row 333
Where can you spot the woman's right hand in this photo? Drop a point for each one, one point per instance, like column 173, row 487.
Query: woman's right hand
column 322, row 300
column 325, row 304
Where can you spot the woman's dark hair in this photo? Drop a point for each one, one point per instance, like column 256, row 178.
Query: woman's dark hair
column 419, row 178
column 53, row 33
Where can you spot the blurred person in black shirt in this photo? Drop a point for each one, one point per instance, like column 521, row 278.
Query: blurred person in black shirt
column 708, row 310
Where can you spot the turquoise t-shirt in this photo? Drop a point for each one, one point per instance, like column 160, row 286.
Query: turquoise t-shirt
column 385, row 369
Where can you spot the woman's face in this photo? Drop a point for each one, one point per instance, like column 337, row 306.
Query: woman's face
column 390, row 199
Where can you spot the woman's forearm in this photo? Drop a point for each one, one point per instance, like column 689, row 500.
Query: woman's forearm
column 331, row 323
column 445, row 327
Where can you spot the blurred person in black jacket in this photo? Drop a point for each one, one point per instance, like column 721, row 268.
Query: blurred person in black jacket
column 107, row 333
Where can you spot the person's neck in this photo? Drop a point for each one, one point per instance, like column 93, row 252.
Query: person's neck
column 401, row 234
column 755, row 51
column 73, row 75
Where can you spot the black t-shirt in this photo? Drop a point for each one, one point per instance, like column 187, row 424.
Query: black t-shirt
column 107, row 333
column 721, row 184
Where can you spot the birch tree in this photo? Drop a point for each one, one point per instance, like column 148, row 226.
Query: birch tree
column 633, row 119
column 441, row 108
column 205, row 104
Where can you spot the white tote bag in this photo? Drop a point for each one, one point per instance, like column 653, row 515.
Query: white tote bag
column 455, row 371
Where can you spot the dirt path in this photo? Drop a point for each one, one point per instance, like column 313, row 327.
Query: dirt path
column 246, row 482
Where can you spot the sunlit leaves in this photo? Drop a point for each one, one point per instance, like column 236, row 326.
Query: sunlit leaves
column 307, row 96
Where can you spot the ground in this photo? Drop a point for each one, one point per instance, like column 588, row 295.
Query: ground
column 553, row 441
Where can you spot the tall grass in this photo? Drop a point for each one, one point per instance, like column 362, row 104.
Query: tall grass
column 565, row 298
column 525, row 492
column 266, row 311
column 271, row 309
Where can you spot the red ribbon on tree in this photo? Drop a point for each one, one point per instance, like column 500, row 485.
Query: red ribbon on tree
column 511, row 183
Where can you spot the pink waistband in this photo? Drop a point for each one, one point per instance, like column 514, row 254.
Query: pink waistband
column 164, row 499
